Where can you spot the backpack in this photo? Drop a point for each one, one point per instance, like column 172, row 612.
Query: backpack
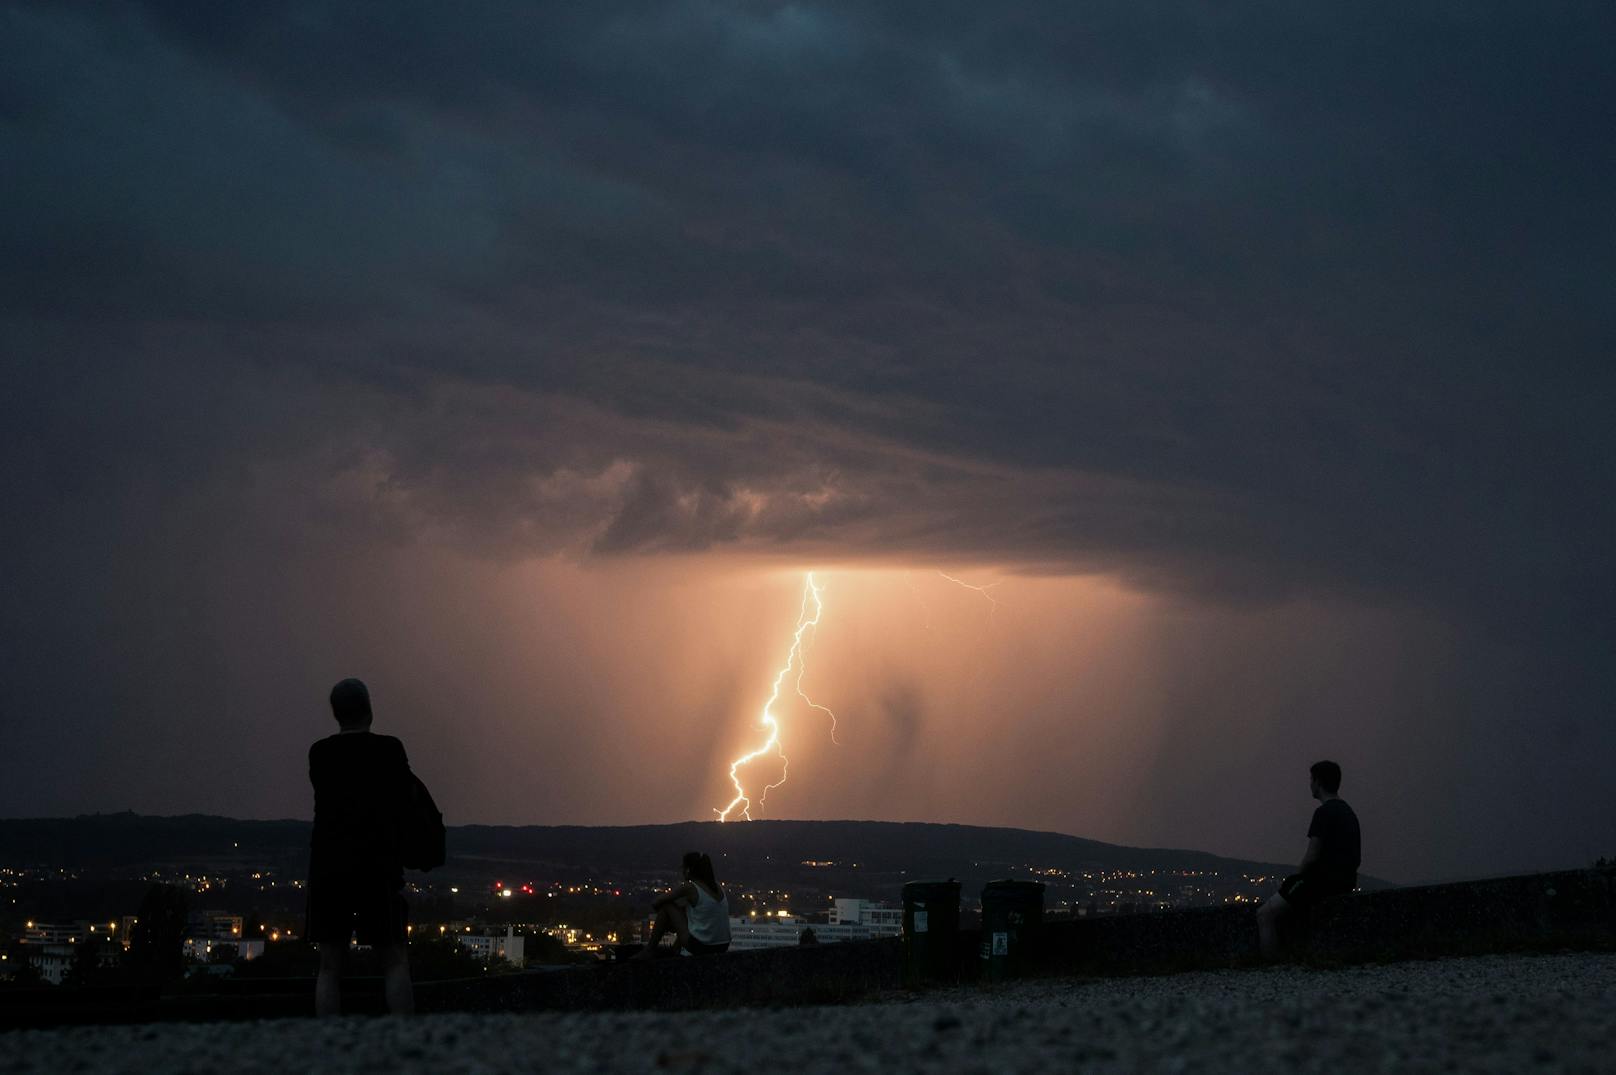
column 422, row 839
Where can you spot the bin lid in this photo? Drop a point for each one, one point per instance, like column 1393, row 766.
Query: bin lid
column 932, row 890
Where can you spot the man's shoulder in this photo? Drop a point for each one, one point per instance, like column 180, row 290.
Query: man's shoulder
column 349, row 745
column 1338, row 808
column 388, row 750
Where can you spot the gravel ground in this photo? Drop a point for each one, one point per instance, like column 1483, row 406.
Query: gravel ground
column 1494, row 1013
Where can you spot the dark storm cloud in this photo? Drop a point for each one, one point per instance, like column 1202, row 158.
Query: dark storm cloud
column 1340, row 274
column 1233, row 301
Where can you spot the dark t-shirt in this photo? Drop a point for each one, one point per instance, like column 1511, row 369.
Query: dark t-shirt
column 361, row 782
column 1336, row 826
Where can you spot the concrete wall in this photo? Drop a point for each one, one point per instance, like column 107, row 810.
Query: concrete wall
column 815, row 974
column 1573, row 909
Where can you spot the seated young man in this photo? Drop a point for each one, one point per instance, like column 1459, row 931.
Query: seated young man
column 1329, row 867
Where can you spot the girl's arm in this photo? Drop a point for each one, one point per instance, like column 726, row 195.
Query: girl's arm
column 682, row 892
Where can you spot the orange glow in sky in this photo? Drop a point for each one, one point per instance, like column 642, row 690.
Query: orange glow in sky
column 621, row 691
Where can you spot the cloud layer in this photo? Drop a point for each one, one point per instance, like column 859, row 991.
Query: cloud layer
column 1242, row 307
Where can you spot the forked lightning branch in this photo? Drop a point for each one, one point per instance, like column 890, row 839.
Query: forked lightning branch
column 808, row 615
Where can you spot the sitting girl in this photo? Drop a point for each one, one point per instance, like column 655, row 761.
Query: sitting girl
column 696, row 912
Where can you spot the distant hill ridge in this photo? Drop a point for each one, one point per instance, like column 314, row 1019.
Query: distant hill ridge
column 912, row 847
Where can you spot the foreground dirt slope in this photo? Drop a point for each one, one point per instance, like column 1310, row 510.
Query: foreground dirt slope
column 1492, row 1013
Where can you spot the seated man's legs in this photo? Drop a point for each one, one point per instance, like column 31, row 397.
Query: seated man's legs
column 1297, row 895
column 1268, row 916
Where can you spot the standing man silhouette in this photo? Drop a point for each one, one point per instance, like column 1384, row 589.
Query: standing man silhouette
column 1330, row 865
column 361, row 785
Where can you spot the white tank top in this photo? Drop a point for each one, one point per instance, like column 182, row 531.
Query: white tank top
column 708, row 918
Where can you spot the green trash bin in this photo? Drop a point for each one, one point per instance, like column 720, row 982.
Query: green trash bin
column 930, row 931
column 1012, row 917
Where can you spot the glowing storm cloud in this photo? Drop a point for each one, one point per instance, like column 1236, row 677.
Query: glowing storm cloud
column 794, row 659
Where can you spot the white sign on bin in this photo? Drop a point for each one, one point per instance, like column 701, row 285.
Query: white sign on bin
column 1001, row 944
column 920, row 921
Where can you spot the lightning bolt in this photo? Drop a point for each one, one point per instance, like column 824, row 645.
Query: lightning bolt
column 811, row 591
column 985, row 591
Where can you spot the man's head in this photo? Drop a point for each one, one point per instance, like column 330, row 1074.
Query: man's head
column 1326, row 778
column 350, row 704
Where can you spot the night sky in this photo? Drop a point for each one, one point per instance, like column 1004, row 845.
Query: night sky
column 520, row 359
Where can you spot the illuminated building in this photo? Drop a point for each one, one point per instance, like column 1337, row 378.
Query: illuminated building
column 491, row 946
column 851, row 920
column 214, row 926
column 49, row 947
column 54, row 933
column 883, row 919
column 201, row 948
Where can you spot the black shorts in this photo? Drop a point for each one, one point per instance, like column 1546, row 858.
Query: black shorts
column 341, row 906
column 701, row 948
column 1301, row 891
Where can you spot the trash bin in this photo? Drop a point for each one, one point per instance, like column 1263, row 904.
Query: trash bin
column 930, row 931
column 1012, row 917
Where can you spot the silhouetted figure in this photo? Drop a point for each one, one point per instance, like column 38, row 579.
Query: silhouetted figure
column 361, row 786
column 696, row 912
column 157, row 942
column 1330, row 866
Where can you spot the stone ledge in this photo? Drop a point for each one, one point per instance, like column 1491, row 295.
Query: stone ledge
column 816, row 974
column 1570, row 909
